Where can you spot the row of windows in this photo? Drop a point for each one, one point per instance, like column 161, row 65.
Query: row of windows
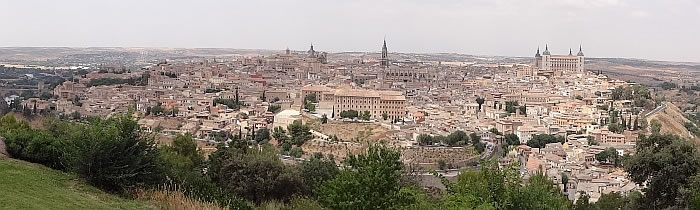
column 369, row 101
column 370, row 107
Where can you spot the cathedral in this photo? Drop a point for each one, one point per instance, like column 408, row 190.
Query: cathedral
column 320, row 57
column 557, row 65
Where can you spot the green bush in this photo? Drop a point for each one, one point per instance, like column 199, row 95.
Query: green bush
column 114, row 155
column 31, row 145
column 258, row 176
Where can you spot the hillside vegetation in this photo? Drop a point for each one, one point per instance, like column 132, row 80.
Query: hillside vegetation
column 672, row 121
column 32, row 186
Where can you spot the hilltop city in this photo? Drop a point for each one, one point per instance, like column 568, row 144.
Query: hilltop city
column 548, row 114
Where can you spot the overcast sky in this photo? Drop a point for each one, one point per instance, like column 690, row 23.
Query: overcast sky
column 650, row 29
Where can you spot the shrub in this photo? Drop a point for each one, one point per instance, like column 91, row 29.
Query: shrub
column 114, row 155
column 259, row 176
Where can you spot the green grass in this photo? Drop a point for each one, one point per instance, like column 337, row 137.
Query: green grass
column 31, row 186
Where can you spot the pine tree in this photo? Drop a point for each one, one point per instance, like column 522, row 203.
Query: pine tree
column 636, row 123
column 629, row 123
column 236, row 101
column 623, row 123
column 263, row 97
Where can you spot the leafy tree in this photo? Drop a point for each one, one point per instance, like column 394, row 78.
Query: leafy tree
column 475, row 138
column 31, row 145
column 495, row 131
column 583, row 203
column 317, row 170
column 309, row 101
column 480, row 147
column 296, row 152
column 274, row 108
column 182, row 160
column 220, row 136
column 349, row 114
column 540, row 193
column 286, row 147
column 234, row 104
column 425, row 139
column 324, row 119
column 512, row 139
column 523, row 110
column 511, row 106
column 457, row 137
column 539, row 141
column 655, row 126
column 260, row 176
column 609, row 156
column 310, row 98
column 311, row 107
column 480, row 101
column 665, row 163
column 493, row 188
column 366, row 115
column 299, row 132
column 369, row 181
column 385, row 116
column 615, row 128
column 115, row 154
column 280, row 134
column 262, row 136
column 668, row 85
column 613, row 200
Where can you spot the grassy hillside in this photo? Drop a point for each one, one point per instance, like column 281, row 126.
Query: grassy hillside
column 672, row 121
column 31, row 186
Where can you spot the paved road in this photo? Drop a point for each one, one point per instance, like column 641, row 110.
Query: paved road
column 656, row 110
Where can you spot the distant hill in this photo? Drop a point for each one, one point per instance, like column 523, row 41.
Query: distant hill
column 26, row 185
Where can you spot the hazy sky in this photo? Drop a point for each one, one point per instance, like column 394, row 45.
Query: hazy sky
column 650, row 29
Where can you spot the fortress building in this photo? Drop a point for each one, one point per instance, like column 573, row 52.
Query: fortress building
column 557, row 65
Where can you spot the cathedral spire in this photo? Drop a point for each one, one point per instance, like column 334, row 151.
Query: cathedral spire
column 385, row 55
column 546, row 50
column 570, row 53
column 311, row 51
column 538, row 51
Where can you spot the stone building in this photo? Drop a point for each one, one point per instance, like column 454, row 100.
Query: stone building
column 559, row 64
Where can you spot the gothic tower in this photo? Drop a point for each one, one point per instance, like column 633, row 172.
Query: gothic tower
column 580, row 59
column 385, row 56
column 546, row 59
